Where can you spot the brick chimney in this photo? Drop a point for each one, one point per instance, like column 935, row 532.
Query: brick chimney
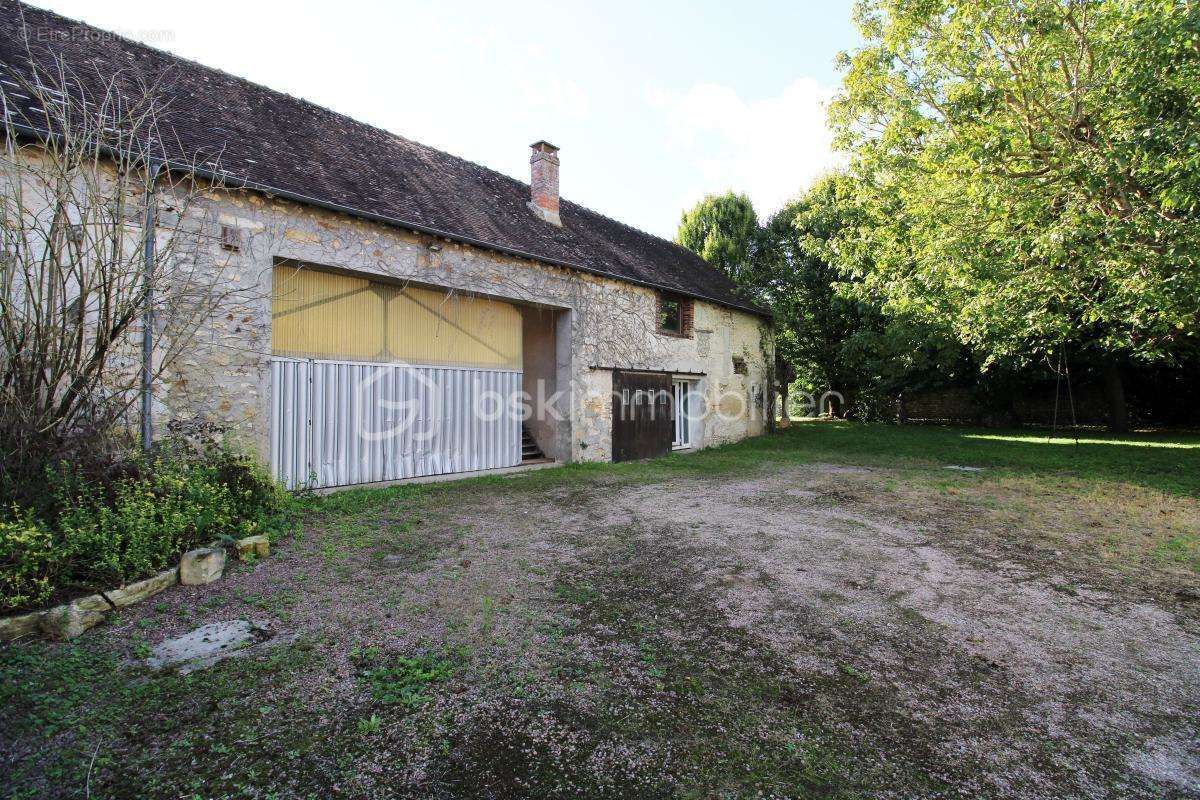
column 543, row 182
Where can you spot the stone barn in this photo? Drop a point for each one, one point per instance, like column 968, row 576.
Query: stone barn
column 390, row 311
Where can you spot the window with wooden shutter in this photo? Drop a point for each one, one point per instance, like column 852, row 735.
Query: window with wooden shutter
column 675, row 314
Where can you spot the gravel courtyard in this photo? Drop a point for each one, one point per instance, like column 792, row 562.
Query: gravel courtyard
column 778, row 622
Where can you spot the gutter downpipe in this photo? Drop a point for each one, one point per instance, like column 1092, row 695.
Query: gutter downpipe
column 148, row 247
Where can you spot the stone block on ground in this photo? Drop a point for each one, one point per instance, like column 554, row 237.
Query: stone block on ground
column 201, row 566
column 21, row 625
column 208, row 644
column 68, row 621
column 93, row 602
column 259, row 546
column 128, row 595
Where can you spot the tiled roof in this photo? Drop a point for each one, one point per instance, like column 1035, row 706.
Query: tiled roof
column 270, row 140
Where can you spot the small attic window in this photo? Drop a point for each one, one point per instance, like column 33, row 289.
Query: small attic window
column 231, row 239
column 739, row 366
column 674, row 314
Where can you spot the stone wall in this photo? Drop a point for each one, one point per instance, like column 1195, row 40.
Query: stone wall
column 600, row 323
column 1034, row 406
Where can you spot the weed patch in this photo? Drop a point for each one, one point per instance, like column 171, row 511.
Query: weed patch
column 406, row 681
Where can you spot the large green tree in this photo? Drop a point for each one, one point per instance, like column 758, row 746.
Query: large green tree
column 831, row 327
column 830, row 333
column 723, row 230
column 1031, row 173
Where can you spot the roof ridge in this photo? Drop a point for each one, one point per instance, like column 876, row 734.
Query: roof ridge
column 21, row 4
column 608, row 247
column 340, row 115
column 633, row 228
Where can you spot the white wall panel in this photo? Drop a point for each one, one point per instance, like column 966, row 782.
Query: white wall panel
column 338, row 423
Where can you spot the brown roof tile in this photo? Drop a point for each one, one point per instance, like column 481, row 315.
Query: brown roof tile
column 269, row 139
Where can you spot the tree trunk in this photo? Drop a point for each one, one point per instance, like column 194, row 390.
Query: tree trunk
column 769, row 400
column 1114, row 390
column 847, row 409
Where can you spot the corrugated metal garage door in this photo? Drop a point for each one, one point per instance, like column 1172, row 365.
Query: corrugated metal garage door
column 339, row 423
column 376, row 382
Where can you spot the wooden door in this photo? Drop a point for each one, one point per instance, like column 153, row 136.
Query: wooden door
column 643, row 418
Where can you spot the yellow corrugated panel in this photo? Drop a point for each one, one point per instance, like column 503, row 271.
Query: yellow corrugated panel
column 323, row 315
column 432, row 327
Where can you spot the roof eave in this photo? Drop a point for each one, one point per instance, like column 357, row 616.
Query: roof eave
column 472, row 241
column 329, row 205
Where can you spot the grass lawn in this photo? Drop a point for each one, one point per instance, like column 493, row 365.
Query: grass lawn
column 826, row 612
column 1167, row 462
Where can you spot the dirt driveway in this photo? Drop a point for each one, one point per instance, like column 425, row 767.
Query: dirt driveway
column 784, row 630
column 995, row 673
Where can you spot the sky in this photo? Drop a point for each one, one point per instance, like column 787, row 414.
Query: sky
column 653, row 104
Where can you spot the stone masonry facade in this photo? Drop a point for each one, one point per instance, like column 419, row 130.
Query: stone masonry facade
column 224, row 372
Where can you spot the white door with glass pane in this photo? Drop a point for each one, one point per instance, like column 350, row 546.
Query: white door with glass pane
column 683, row 416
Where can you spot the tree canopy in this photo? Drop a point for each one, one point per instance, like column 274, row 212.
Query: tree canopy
column 1032, row 170
column 835, row 326
column 722, row 229
column 1023, row 182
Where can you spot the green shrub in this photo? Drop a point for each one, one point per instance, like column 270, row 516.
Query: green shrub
column 28, row 561
column 147, row 522
column 256, row 498
column 90, row 534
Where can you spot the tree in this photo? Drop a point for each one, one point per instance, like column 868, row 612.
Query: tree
column 1031, row 172
column 80, row 157
column 723, row 230
column 836, row 332
column 827, row 328
column 829, row 334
